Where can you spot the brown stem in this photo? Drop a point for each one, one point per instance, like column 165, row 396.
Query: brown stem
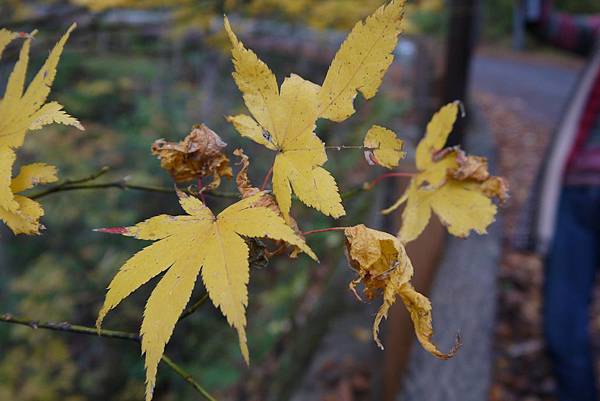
column 323, row 230
column 123, row 185
column 377, row 180
column 82, row 184
column 194, row 307
column 266, row 179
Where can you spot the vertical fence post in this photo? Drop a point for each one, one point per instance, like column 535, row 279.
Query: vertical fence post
column 459, row 49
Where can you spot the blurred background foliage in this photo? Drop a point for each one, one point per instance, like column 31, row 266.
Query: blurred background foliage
column 131, row 84
column 139, row 70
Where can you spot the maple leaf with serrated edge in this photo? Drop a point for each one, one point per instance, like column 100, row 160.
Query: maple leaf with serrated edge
column 383, row 266
column 6, row 37
column 462, row 202
column 186, row 246
column 361, row 61
column 25, row 108
column 22, row 110
column 283, row 119
column 23, row 215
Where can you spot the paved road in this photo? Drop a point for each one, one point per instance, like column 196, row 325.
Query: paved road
column 542, row 88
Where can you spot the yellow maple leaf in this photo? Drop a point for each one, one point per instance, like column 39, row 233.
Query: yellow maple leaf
column 6, row 37
column 447, row 183
column 23, row 109
column 383, row 147
column 186, row 246
column 283, row 119
column 288, row 118
column 21, row 214
column 383, row 266
column 361, row 61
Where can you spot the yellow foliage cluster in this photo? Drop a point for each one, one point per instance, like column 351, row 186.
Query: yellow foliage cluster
column 445, row 185
column 22, row 109
column 318, row 13
column 282, row 118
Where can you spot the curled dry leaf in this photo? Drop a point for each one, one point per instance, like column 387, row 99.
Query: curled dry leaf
column 382, row 147
column 383, row 266
column 198, row 155
column 469, row 167
column 496, row 187
column 267, row 200
column 457, row 187
column 475, row 168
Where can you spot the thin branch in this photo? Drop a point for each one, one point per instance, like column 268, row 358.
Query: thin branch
column 341, row 147
column 71, row 328
column 266, row 179
column 187, row 377
column 124, row 185
column 83, row 184
column 70, row 182
column 194, row 307
column 323, row 230
column 354, row 191
column 122, row 335
column 377, row 180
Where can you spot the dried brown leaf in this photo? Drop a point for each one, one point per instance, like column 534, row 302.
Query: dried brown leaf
column 198, row 155
column 469, row 167
column 383, row 266
column 496, row 186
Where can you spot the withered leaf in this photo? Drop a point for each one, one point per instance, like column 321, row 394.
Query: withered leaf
column 198, row 155
column 383, row 266
column 448, row 183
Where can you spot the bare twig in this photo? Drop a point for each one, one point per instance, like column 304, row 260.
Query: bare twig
column 194, row 307
column 342, row 147
column 71, row 328
column 266, row 179
column 187, row 377
column 83, row 184
column 70, row 182
column 324, row 230
column 377, row 180
column 122, row 335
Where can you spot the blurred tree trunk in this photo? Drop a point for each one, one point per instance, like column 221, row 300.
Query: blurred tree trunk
column 459, row 48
